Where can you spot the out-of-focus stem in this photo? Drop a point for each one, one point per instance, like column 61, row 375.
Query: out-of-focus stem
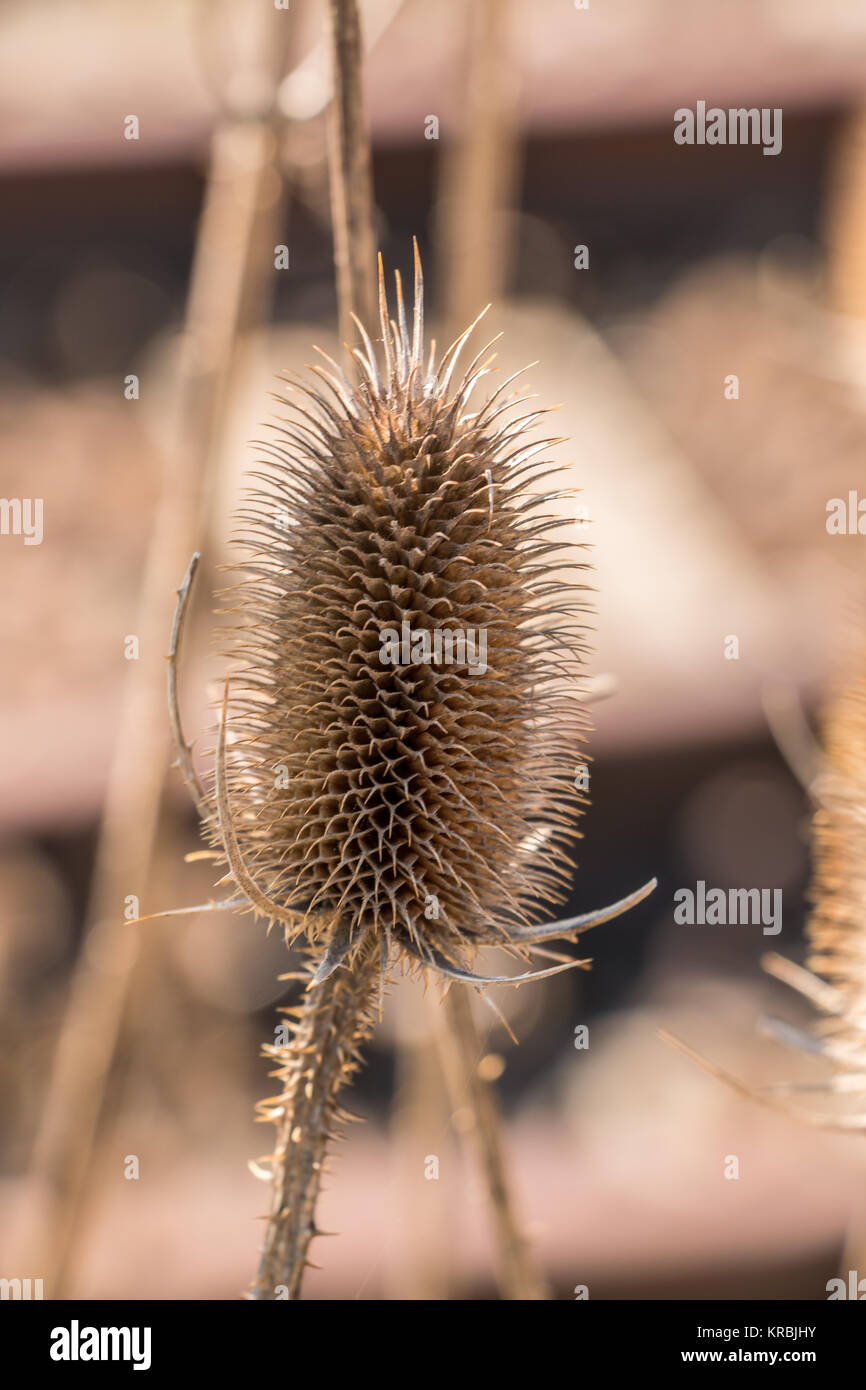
column 462, row 1050
column 228, row 290
column 480, row 172
column 350, row 172
column 422, row 1244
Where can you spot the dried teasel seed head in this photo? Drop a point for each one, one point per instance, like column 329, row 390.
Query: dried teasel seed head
column 834, row 979
column 837, row 924
column 378, row 780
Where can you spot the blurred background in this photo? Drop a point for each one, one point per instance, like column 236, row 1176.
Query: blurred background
column 165, row 249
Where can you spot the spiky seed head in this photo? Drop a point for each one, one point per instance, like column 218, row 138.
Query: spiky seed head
column 429, row 802
column 836, row 924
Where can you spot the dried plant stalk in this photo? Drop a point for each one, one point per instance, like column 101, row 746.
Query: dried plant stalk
column 481, row 168
column 226, row 294
column 420, row 1251
column 462, row 1047
column 323, row 1054
column 351, row 179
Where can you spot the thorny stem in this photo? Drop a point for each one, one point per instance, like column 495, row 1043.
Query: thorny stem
column 332, row 1022
column 462, row 1048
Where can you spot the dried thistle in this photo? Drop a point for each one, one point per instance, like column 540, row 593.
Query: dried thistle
column 384, row 810
column 834, row 978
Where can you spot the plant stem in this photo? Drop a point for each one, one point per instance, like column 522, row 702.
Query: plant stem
column 480, row 171
column 462, row 1048
column 230, row 276
column 350, row 172
column 333, row 1020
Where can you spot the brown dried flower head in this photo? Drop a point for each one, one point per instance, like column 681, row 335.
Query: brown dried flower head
column 405, row 722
